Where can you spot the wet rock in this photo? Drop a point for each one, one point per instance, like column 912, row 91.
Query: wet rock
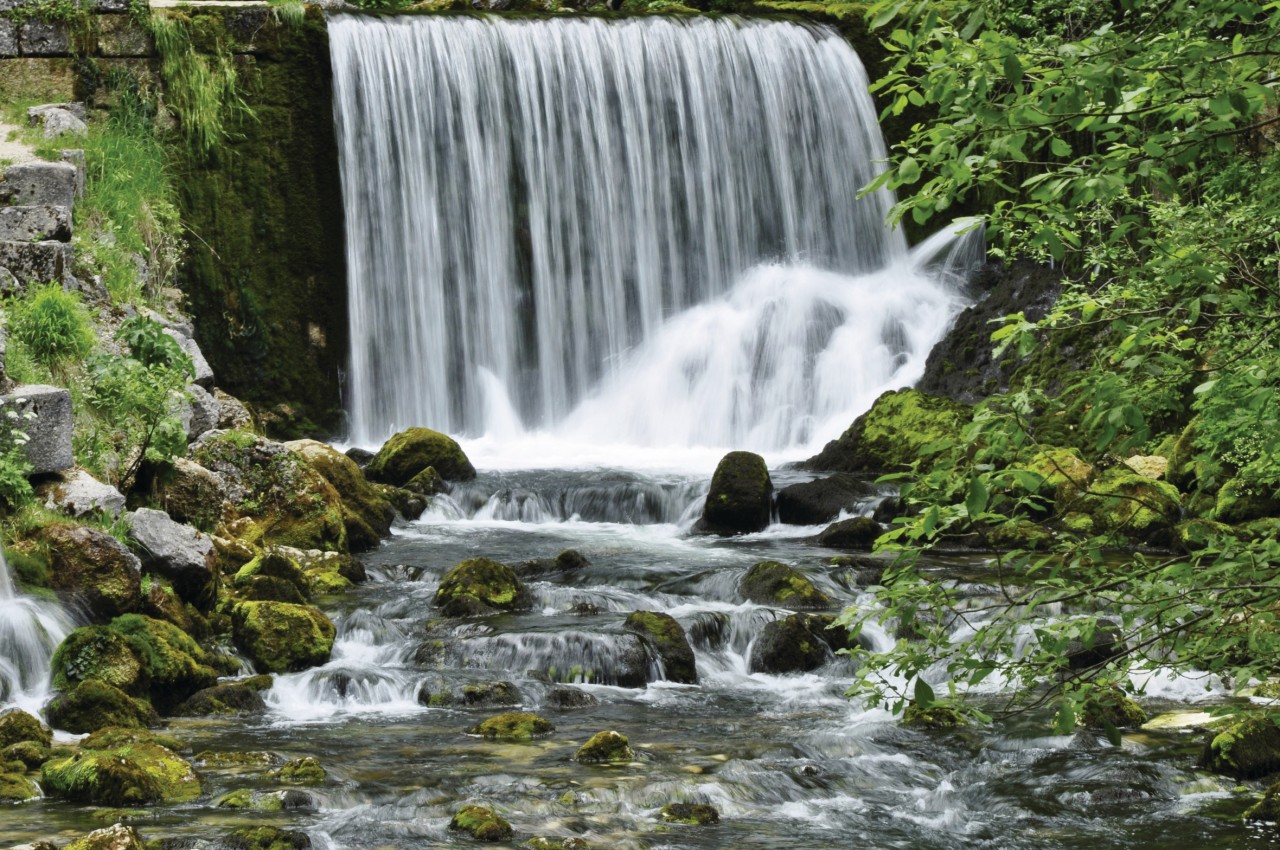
column 481, row 823
column 1110, row 707
column 516, row 726
column 860, row 532
column 16, row 726
column 541, row 842
column 890, row 436
column 1121, row 501
column 664, row 636
column 1241, row 501
column 78, row 494
column 607, row 747
column 1268, row 808
column 232, row 698
column 1245, row 749
column 410, row 505
column 366, row 512
column 274, row 565
column 410, row 452
column 793, row 644
column 94, row 567
column 362, row 457
column 121, row 767
column 740, row 497
column 936, row 716
column 47, row 421
column 267, row 838
column 269, row 589
column 490, row 693
column 820, row 501
column 30, row 754
column 772, row 583
column 567, row 561
column 486, row 581
column 693, row 814
column 16, row 788
column 174, row 665
column 94, row 704
column 1105, row 645
column 279, row 638
column 303, row 771
column 98, row 652
column 564, row 698
column 177, row 552
column 426, row 483
column 117, row 837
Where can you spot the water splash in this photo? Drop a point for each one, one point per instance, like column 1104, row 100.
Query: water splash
column 30, row 630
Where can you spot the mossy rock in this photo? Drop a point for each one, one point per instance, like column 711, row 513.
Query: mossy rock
column 426, row 483
column 1196, row 534
column 366, row 512
column 605, row 748
column 236, row 761
column 410, row 452
column 740, row 497
column 98, row 652
column 514, row 726
column 274, row 565
column 100, row 779
column 115, row 837
column 481, row 823
column 487, row 581
column 1122, row 501
column 1268, row 808
column 794, row 644
column 1066, row 475
column 246, row 799
column 95, row 567
column 490, row 693
column 16, row 726
column 410, row 505
column 1021, row 534
column 1110, row 707
column 859, row 532
column 303, row 771
column 269, row 589
column 772, row 583
column 936, row 716
column 224, row 700
column 15, row 788
column 1245, row 749
column 93, row 704
column 893, row 433
column 30, row 754
column 691, row 814
column 280, row 638
column 267, row 838
column 541, row 842
column 176, row 666
column 1243, row 501
column 666, row 639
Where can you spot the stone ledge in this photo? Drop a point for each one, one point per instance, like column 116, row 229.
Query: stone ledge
column 41, row 223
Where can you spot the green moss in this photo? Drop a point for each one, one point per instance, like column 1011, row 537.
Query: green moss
column 175, row 664
column 606, row 748
column 17, row 726
column 1123, row 501
column 93, row 704
column 366, row 513
column 1242, row 501
column 486, row 580
column 279, row 637
column 772, row 583
column 267, row 838
column 98, row 652
column 100, row 779
column 514, row 726
column 668, row 641
column 936, row 716
column 1021, row 534
column 303, row 771
column 273, row 565
column 1110, row 707
column 410, row 452
column 739, row 497
column 1268, row 808
column 249, row 800
column 14, row 788
column 31, row 754
column 692, row 814
column 1245, row 749
column 481, row 823
column 894, row 433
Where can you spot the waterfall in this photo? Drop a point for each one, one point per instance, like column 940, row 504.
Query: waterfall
column 645, row 231
column 30, row 630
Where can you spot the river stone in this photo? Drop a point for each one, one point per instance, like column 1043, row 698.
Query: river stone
column 481, row 823
column 822, row 500
column 693, row 814
column 94, row 705
column 772, row 583
column 39, row 183
column 739, row 500
column 117, row 837
column 410, row 452
column 178, row 552
column 513, row 726
column 564, row 697
column 794, row 644
column 46, row 417
column 1246, row 749
column 35, row 224
column 94, row 566
column 281, row 638
column 664, row 636
column 605, row 748
column 78, row 494
column 859, row 532
column 366, row 513
column 485, row 581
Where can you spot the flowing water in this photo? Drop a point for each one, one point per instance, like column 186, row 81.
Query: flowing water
column 30, row 630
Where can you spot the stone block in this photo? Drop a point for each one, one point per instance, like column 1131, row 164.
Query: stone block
column 120, row 35
column 36, row 115
column 30, row 183
column 35, row 224
column 204, row 372
column 78, row 494
column 76, row 158
column 8, row 39
column 59, row 121
column 49, row 429
column 44, row 38
column 37, row 262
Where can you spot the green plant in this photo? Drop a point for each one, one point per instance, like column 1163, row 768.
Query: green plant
column 150, row 345
column 291, row 13
column 53, row 324
column 15, row 488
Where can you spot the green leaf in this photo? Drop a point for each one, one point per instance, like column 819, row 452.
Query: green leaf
column 1012, row 68
column 978, row 497
column 1112, row 733
column 1060, row 147
column 908, row 171
column 924, row 693
column 1065, row 720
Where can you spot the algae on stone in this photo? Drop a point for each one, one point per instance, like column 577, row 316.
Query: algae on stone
column 893, row 433
column 411, row 451
column 607, row 747
column 481, row 823
column 485, row 581
column 772, row 583
column 668, row 641
column 514, row 726
column 692, row 814
column 280, row 638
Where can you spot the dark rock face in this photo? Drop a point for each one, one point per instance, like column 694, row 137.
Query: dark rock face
column 740, row 497
column 819, row 501
column 961, row 366
column 794, row 644
column 772, row 583
column 667, row 640
column 860, row 532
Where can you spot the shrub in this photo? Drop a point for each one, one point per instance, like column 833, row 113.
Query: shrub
column 53, row 324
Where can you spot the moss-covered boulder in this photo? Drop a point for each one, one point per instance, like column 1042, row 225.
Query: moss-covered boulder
column 1245, row 749
column 410, row 505
column 1020, row 534
column 514, row 726
column 281, row 638
column 490, row 693
column 1122, row 501
column 691, row 814
column 92, row 566
column 1066, row 475
column 891, row 435
column 772, row 583
column 740, row 498
column 15, row 788
column 485, row 581
column 98, row 652
column 481, row 823
column 426, row 483
column 116, row 837
column 273, row 565
column 30, row 754
column 93, row 704
column 282, row 499
column 859, row 532
column 410, row 452
column 542, row 842
column 176, row 666
column 155, row 753
column 1196, row 534
column 16, row 726
column 667, row 641
column 227, row 699
column 1240, row 501
column 121, row 770
column 303, row 771
column 192, row 494
column 1111, row 707
column 794, row 644
column 936, row 716
column 1268, row 808
column 366, row 512
column 266, row 838
column 605, row 748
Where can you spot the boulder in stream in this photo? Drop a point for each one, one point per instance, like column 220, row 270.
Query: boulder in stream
column 693, row 814
column 17, row 726
column 366, row 512
column 514, row 726
column 772, row 583
column 795, row 644
column 740, row 497
column 481, row 823
column 890, row 436
column 279, row 637
column 1245, row 749
column 859, row 532
column 485, row 581
column 822, row 500
column 667, row 640
column 410, row 452
column 94, row 704
column 606, row 747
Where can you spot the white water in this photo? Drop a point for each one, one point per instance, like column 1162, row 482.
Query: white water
column 30, row 630
column 641, row 233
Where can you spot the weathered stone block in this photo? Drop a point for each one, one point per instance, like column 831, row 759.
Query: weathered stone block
column 113, row 6
column 35, row 224
column 8, row 39
column 44, row 38
column 52, row 183
column 204, row 372
column 49, row 447
column 37, row 262
column 120, row 35
column 79, row 494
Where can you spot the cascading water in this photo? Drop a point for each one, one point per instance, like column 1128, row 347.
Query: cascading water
column 30, row 630
column 644, row 232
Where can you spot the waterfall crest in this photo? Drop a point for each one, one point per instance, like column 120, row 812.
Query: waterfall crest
column 528, row 202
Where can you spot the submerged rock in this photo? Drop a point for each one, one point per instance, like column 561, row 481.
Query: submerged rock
column 772, row 583
column 481, row 823
column 303, row 771
column 490, row 693
column 936, row 716
column 822, row 500
column 564, row 697
column 410, row 452
column 267, row 838
column 484, row 581
column 667, row 640
column 516, row 726
column 1111, row 707
column 693, row 814
column 280, row 638
column 740, row 497
column 605, row 748
column 890, row 436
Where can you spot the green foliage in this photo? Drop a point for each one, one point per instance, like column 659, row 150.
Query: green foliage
column 291, row 13
column 53, row 325
column 151, row 346
column 15, row 489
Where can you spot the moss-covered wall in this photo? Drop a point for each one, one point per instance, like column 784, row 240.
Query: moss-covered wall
column 266, row 276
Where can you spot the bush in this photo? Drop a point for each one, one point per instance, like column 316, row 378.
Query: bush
column 52, row 324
